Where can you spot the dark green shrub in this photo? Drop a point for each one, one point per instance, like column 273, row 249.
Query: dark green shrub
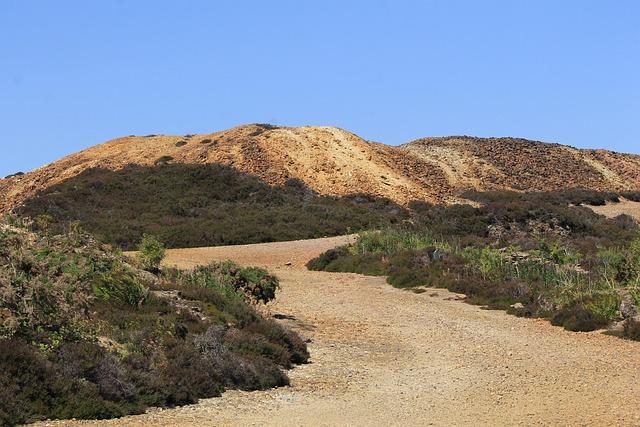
column 577, row 317
column 14, row 174
column 258, row 284
column 369, row 264
column 34, row 388
column 221, row 310
column 407, row 278
column 631, row 195
column 187, row 374
column 296, row 348
column 85, row 361
column 321, row 262
column 234, row 281
column 244, row 358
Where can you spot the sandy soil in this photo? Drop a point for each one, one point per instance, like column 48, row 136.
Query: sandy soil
column 611, row 210
column 386, row 357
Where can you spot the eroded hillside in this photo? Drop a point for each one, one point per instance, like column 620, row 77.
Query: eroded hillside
column 332, row 161
column 518, row 164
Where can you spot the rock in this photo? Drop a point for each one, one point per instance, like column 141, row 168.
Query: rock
column 628, row 310
column 517, row 306
column 146, row 277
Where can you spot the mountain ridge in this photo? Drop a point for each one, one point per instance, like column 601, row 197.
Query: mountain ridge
column 333, row 161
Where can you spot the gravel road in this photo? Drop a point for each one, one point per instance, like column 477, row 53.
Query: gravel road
column 387, row 357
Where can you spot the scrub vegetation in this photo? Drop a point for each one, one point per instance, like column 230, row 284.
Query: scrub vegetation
column 535, row 255
column 202, row 205
column 88, row 333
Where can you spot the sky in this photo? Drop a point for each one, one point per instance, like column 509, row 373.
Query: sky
column 76, row 73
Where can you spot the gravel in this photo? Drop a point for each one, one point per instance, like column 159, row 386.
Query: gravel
column 388, row 357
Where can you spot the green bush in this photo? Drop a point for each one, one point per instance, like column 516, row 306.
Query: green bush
column 605, row 304
column 323, row 260
column 151, row 253
column 120, row 286
column 80, row 381
column 235, row 282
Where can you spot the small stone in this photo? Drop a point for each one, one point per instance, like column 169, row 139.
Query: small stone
column 628, row 310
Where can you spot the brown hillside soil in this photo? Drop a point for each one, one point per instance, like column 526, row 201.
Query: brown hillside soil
column 332, row 161
column 328, row 160
column 387, row 357
column 519, row 164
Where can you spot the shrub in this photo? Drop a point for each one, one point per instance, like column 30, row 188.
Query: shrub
column 188, row 374
column 257, row 284
column 323, row 260
column 66, row 354
column 606, row 305
column 235, row 282
column 151, row 253
column 577, row 317
column 369, row 264
column 83, row 382
column 295, row 348
column 121, row 286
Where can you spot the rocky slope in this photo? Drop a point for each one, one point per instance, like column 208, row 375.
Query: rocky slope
column 333, row 161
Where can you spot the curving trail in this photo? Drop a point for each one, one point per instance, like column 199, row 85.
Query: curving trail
column 387, row 357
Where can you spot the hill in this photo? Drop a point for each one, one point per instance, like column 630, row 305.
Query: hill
column 189, row 205
column 486, row 164
column 334, row 162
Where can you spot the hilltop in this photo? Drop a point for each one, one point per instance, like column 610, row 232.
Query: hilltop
column 331, row 161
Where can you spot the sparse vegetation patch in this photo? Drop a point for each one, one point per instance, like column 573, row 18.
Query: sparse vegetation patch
column 530, row 254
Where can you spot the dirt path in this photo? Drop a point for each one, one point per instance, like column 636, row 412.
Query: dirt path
column 611, row 210
column 386, row 357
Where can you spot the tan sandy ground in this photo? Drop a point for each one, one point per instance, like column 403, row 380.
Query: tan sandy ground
column 386, row 357
column 611, row 210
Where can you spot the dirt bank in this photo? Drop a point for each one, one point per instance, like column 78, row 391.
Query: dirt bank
column 386, row 357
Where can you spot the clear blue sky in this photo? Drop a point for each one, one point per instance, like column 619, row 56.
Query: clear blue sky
column 76, row 73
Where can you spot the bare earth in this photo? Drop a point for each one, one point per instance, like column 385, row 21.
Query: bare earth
column 386, row 357
column 611, row 210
